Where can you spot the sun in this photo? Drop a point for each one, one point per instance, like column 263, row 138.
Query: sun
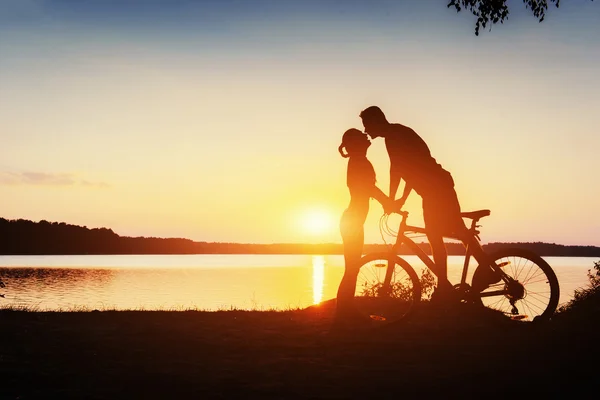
column 317, row 222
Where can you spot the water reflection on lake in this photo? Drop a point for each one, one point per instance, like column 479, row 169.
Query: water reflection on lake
column 207, row 282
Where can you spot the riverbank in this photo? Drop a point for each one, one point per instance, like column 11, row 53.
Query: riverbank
column 291, row 354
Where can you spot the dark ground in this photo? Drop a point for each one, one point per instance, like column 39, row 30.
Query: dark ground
column 453, row 353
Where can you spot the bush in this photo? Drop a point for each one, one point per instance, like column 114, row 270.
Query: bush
column 399, row 290
column 585, row 296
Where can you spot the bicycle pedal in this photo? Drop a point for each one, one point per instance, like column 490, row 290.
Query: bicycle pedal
column 518, row 317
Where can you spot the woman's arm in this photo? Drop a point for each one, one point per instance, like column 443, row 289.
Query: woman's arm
column 384, row 200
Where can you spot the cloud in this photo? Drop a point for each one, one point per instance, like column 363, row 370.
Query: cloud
column 45, row 179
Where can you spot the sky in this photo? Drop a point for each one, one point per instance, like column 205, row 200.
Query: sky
column 219, row 120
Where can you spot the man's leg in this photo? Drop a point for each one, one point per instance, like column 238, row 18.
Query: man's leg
column 434, row 211
column 441, row 214
column 440, row 258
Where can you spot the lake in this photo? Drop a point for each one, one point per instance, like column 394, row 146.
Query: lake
column 201, row 281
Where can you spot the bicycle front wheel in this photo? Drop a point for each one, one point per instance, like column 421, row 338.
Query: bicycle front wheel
column 387, row 288
column 534, row 294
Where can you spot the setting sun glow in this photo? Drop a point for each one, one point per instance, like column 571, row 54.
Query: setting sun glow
column 317, row 222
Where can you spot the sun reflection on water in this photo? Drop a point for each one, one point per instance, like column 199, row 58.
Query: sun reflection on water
column 318, row 263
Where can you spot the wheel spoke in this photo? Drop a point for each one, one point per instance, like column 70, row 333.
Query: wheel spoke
column 536, row 275
column 533, row 271
column 531, row 305
column 543, row 281
column 514, row 267
column 534, row 297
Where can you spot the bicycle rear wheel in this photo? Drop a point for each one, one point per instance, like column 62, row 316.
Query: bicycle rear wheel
column 533, row 295
column 387, row 289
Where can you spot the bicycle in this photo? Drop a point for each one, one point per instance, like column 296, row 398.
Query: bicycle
column 388, row 288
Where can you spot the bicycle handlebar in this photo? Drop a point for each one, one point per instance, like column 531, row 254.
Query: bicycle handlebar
column 404, row 227
column 403, row 213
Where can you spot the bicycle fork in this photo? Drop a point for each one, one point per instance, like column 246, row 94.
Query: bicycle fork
column 389, row 272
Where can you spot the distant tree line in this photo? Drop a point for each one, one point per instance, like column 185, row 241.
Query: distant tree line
column 549, row 249
column 24, row 237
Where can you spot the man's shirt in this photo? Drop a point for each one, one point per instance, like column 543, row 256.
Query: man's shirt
column 411, row 159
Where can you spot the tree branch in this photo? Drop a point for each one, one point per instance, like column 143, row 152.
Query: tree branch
column 494, row 11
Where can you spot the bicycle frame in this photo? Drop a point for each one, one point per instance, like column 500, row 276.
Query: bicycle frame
column 473, row 238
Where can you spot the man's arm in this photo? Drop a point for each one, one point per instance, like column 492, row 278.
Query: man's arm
column 395, row 177
column 400, row 202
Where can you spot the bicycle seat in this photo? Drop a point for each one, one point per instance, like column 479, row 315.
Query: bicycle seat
column 475, row 214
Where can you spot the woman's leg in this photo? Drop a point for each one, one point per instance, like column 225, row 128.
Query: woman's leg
column 353, row 239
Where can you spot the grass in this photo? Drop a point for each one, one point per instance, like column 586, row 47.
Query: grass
column 291, row 354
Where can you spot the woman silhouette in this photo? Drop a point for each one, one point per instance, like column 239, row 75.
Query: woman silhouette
column 361, row 184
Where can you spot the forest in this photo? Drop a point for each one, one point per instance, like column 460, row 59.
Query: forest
column 25, row 237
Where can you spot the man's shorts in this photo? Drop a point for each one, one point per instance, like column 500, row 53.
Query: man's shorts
column 441, row 209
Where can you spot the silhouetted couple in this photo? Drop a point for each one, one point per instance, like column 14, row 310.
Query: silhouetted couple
column 411, row 161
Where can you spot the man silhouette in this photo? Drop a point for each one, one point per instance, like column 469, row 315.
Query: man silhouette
column 411, row 161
